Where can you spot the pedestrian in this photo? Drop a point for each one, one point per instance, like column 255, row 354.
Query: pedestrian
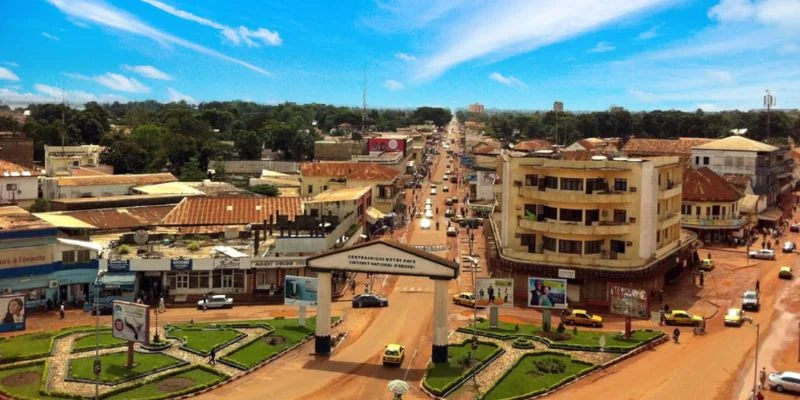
column 758, row 286
column 760, row 396
column 676, row 335
column 762, row 377
column 353, row 287
column 666, row 308
column 709, row 255
column 61, row 310
column 702, row 278
column 205, row 303
column 212, row 356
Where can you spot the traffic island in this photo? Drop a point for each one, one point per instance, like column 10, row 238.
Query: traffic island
column 284, row 334
column 31, row 346
column 105, row 340
column 177, row 383
column 114, row 368
column 462, row 361
column 201, row 340
column 537, row 373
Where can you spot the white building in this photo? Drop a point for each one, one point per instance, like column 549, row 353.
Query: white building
column 61, row 160
column 100, row 185
column 18, row 183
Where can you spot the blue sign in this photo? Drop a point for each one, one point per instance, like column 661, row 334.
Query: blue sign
column 117, row 265
column 181, row 264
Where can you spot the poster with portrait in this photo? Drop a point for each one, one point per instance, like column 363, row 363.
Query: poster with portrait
column 300, row 290
column 13, row 311
column 131, row 322
column 494, row 292
column 628, row 301
column 547, row 292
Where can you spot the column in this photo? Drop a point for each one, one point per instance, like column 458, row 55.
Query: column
column 322, row 343
column 440, row 304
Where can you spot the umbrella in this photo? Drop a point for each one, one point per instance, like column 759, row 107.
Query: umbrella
column 398, row 387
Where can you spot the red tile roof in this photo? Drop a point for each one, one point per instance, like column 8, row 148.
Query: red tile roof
column 349, row 170
column 133, row 179
column 7, row 168
column 123, row 218
column 582, row 155
column 702, row 184
column 738, row 181
column 533, row 145
column 662, row 147
column 485, row 148
column 231, row 210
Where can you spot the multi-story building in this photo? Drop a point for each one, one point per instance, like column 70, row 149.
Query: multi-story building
column 18, row 184
column 477, row 108
column 61, row 160
column 593, row 222
column 710, row 206
column 387, row 189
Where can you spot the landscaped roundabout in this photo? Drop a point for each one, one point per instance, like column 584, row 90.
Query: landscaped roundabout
column 59, row 365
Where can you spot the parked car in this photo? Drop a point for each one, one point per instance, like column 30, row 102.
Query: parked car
column 433, row 192
column 452, row 231
column 428, row 213
column 449, row 212
column 707, row 264
column 794, row 228
column 784, row 381
column 369, row 300
column 763, row 254
column 734, row 317
column 393, row 354
column 750, row 301
column 681, row 317
column 216, row 301
column 464, row 299
column 428, row 201
column 433, row 186
column 785, row 272
column 425, row 223
column 448, row 201
column 582, row 317
column 454, row 199
column 788, row 246
column 445, row 188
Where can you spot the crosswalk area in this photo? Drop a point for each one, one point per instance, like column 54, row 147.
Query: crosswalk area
column 415, row 289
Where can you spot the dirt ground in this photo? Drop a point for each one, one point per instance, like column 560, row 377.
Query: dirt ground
column 174, row 384
column 22, row 379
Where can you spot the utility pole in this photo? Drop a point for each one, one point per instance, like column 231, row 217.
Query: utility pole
column 557, row 107
column 769, row 102
column 364, row 105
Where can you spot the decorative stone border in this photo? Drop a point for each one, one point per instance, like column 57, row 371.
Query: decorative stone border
column 73, row 350
column 58, row 335
column 180, row 364
column 564, row 346
column 465, row 377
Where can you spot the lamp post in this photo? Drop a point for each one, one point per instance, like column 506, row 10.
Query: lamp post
column 755, row 363
column 471, row 239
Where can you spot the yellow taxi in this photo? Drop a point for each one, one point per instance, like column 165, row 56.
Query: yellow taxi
column 734, row 317
column 785, row 272
column 464, row 299
column 581, row 317
column 707, row 264
column 394, row 354
column 681, row 317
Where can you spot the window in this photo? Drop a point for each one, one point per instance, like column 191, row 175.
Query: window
column 620, row 216
column 595, row 185
column 182, row 280
column 531, row 180
column 11, row 187
column 658, row 208
column 68, row 256
column 618, row 246
column 708, row 211
column 84, row 255
column 571, row 184
column 723, row 211
column 658, row 236
column 324, row 188
column 548, row 243
column 697, row 211
column 715, row 211
column 551, row 182
column 697, row 161
column 528, row 241
column 530, row 210
column 550, row 212
column 592, row 216
column 705, row 160
column 310, row 189
column 571, row 215
column 593, row 246
column 569, row 246
column 76, row 163
column 621, row 184
column 728, row 161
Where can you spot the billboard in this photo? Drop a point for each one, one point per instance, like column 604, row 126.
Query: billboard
column 494, row 292
column 547, row 292
column 13, row 309
column 131, row 322
column 300, row 290
column 629, row 302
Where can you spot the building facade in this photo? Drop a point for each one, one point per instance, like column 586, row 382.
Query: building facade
column 61, row 160
column 72, row 187
column 477, row 108
column 594, row 222
column 18, row 184
column 710, row 206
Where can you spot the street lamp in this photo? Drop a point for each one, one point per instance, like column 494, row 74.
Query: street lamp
column 471, row 238
column 755, row 362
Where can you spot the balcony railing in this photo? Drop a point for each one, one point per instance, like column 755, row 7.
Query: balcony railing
column 575, row 196
column 598, row 228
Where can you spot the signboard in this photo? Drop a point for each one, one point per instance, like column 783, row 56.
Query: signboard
column 278, row 262
column 180, row 264
column 566, row 273
column 131, row 322
column 495, row 292
column 26, row 257
column 300, row 290
column 12, row 308
column 227, row 262
column 547, row 292
column 629, row 302
column 118, row 265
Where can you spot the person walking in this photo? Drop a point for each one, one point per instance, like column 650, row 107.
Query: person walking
column 205, row 303
column 760, row 396
column 702, row 279
column 758, row 286
column 762, row 377
column 61, row 310
column 212, row 356
column 676, row 335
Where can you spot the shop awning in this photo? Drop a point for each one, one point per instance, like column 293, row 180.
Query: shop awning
column 82, row 244
column 771, row 214
column 127, row 279
column 373, row 215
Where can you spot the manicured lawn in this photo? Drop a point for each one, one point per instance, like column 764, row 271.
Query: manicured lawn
column 525, row 379
column 28, row 382
column 185, row 382
column 114, row 366
column 441, row 377
column 260, row 349
column 203, row 340
column 32, row 345
column 506, row 330
column 592, row 338
column 89, row 342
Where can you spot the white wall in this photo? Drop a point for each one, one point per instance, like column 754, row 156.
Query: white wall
column 648, row 192
column 27, row 187
column 717, row 162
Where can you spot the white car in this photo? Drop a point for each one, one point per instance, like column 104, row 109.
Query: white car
column 763, row 254
column 428, row 201
column 788, row 247
column 425, row 223
column 433, row 192
column 216, row 301
column 783, row 381
column 428, row 214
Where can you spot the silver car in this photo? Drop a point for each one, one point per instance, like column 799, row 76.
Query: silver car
column 216, row 301
column 763, row 254
column 784, row 381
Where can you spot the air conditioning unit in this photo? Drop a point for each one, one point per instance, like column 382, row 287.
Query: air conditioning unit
column 632, row 189
column 52, row 284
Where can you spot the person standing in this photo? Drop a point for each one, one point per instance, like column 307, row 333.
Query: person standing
column 758, row 286
column 676, row 335
column 490, row 293
column 61, row 310
column 212, row 356
column 762, row 377
column 702, row 279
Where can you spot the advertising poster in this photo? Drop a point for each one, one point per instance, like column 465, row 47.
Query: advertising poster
column 13, row 311
column 629, row 302
column 547, row 292
column 300, row 290
column 131, row 322
column 495, row 292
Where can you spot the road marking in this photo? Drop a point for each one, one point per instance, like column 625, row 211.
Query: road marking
column 413, row 357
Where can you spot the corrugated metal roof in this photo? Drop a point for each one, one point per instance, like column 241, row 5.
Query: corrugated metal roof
column 332, row 195
column 349, row 170
column 737, row 143
column 112, row 218
column 231, row 210
column 671, row 147
column 9, row 169
column 702, row 184
column 63, row 221
column 168, row 188
column 13, row 218
column 132, row 179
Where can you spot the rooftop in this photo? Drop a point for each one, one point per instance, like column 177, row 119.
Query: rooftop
column 738, row 181
column 168, row 188
column 231, row 210
column 702, row 184
column 9, row 169
column 13, row 218
column 128, row 179
column 485, row 148
column 533, row 145
column 334, row 195
column 109, row 218
column 673, row 147
column 219, row 189
column 349, row 170
column 736, row 143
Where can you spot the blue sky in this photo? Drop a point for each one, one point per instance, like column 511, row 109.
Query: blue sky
column 507, row 54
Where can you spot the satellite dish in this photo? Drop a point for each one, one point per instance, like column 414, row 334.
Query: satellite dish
column 140, row 236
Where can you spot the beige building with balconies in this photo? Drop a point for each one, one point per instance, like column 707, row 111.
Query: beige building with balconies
column 592, row 222
column 711, row 206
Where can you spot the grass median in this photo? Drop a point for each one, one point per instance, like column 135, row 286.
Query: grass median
column 90, row 342
column 188, row 381
column 440, row 378
column 114, row 366
column 536, row 373
column 286, row 334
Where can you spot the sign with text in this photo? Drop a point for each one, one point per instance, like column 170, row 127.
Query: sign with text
column 566, row 273
column 300, row 290
column 118, row 265
column 628, row 301
column 385, row 258
column 495, row 292
column 26, row 257
column 131, row 322
column 278, row 262
column 547, row 292
column 180, row 264
column 13, row 309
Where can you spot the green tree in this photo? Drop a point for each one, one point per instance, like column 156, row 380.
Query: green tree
column 266, row 190
column 219, row 170
column 124, row 154
column 40, row 205
column 191, row 172
column 248, row 145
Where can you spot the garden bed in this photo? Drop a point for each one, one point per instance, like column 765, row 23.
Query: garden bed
column 537, row 373
column 114, row 368
column 177, row 383
column 440, row 379
column 202, row 340
column 285, row 334
column 24, row 381
column 89, row 342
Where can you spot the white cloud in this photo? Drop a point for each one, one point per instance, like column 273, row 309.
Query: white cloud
column 176, row 96
column 121, row 83
column 789, row 48
column 649, row 34
column 732, row 10
column 509, row 81
column 10, row 63
column 405, row 57
column 110, row 17
column 720, row 76
column 148, row 71
column 782, row 13
column 49, row 94
column 707, row 107
column 525, row 25
column 8, row 75
column 233, row 35
column 602, row 47
column 393, row 85
column 51, row 36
